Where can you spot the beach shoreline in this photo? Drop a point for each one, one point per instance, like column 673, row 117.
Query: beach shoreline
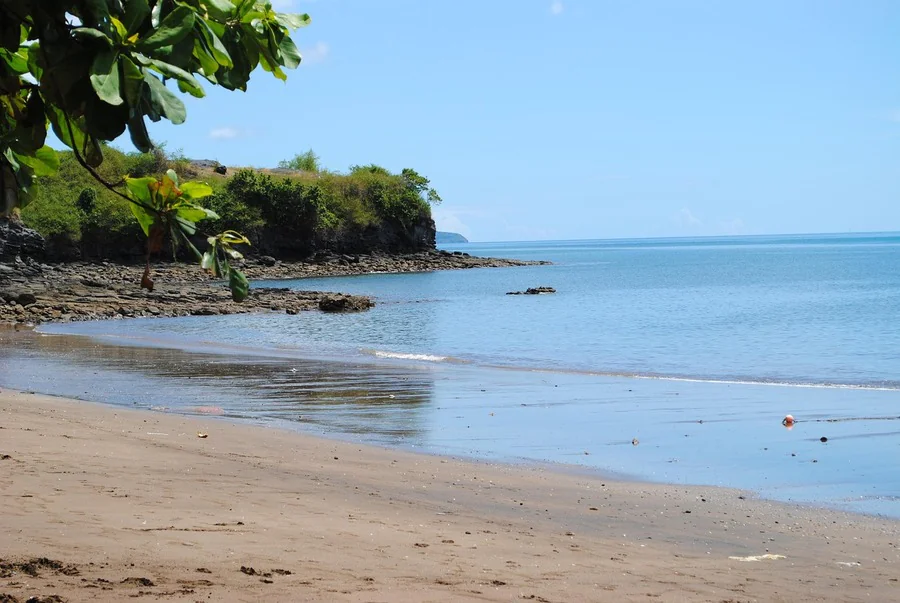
column 32, row 293
column 127, row 502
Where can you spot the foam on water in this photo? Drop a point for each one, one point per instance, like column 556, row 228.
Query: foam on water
column 404, row 356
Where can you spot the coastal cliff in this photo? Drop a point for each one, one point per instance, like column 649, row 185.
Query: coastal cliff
column 287, row 213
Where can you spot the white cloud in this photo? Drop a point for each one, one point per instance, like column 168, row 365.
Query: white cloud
column 225, row 133
column 687, row 219
column 448, row 220
column 316, row 54
column 556, row 7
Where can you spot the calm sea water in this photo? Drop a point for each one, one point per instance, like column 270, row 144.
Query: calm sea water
column 696, row 347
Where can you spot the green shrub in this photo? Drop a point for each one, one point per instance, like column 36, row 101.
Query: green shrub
column 306, row 162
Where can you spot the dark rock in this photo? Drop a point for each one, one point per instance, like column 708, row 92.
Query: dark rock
column 345, row 303
column 221, row 169
column 204, row 311
column 267, row 260
column 17, row 240
column 533, row 291
column 26, row 299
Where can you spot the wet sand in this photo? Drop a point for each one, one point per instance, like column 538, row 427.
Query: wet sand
column 103, row 504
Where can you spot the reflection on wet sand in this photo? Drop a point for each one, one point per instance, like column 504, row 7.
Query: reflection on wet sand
column 387, row 404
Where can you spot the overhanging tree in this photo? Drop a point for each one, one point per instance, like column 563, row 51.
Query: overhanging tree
column 92, row 69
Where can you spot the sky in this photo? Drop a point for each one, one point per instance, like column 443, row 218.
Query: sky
column 581, row 119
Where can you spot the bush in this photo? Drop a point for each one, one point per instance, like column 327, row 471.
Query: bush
column 304, row 162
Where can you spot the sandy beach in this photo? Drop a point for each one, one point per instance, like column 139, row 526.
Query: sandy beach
column 104, row 504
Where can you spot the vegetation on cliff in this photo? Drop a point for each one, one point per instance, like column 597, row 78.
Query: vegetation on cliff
column 288, row 212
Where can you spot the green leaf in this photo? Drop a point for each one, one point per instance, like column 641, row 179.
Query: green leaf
column 230, row 237
column 289, row 53
column 208, row 63
column 176, row 25
column 34, row 53
column 135, row 13
column 219, row 267
column 98, row 9
column 239, row 285
column 89, row 33
column 186, row 82
column 120, row 28
column 44, row 162
column 137, row 129
column 132, row 82
column 195, row 213
column 293, row 21
column 188, row 227
column 164, row 100
column 196, row 190
column 17, row 61
column 221, row 10
column 155, row 14
column 214, row 45
column 144, row 217
column 105, row 77
column 140, row 189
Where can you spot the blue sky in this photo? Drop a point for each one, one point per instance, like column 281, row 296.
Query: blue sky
column 560, row 119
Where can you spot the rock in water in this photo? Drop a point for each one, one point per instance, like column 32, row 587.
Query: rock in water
column 345, row 303
column 533, row 291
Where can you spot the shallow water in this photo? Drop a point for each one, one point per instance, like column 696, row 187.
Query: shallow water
column 695, row 348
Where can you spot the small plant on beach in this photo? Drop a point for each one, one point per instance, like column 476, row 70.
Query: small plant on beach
column 92, row 69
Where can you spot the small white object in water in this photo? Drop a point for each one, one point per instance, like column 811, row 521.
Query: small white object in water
column 293, row 370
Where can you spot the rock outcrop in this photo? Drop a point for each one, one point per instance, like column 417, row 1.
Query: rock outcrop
column 533, row 291
column 33, row 293
column 19, row 242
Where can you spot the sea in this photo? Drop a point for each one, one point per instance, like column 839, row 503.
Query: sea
column 665, row 360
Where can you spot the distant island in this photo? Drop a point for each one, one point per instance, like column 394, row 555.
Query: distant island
column 449, row 237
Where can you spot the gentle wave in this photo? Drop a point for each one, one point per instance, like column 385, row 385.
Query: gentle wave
column 217, row 347
column 402, row 356
column 880, row 386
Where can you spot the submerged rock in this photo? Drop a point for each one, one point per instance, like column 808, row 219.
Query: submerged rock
column 345, row 303
column 533, row 291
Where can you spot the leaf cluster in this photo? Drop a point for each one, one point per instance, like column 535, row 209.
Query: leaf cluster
column 91, row 70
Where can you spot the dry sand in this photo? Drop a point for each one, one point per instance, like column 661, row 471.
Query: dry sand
column 105, row 504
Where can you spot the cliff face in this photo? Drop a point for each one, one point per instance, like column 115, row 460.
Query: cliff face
column 387, row 237
column 18, row 241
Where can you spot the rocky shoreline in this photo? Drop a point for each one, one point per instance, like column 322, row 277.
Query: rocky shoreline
column 32, row 293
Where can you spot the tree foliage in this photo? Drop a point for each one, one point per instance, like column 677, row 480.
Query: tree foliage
column 91, row 70
column 305, row 162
